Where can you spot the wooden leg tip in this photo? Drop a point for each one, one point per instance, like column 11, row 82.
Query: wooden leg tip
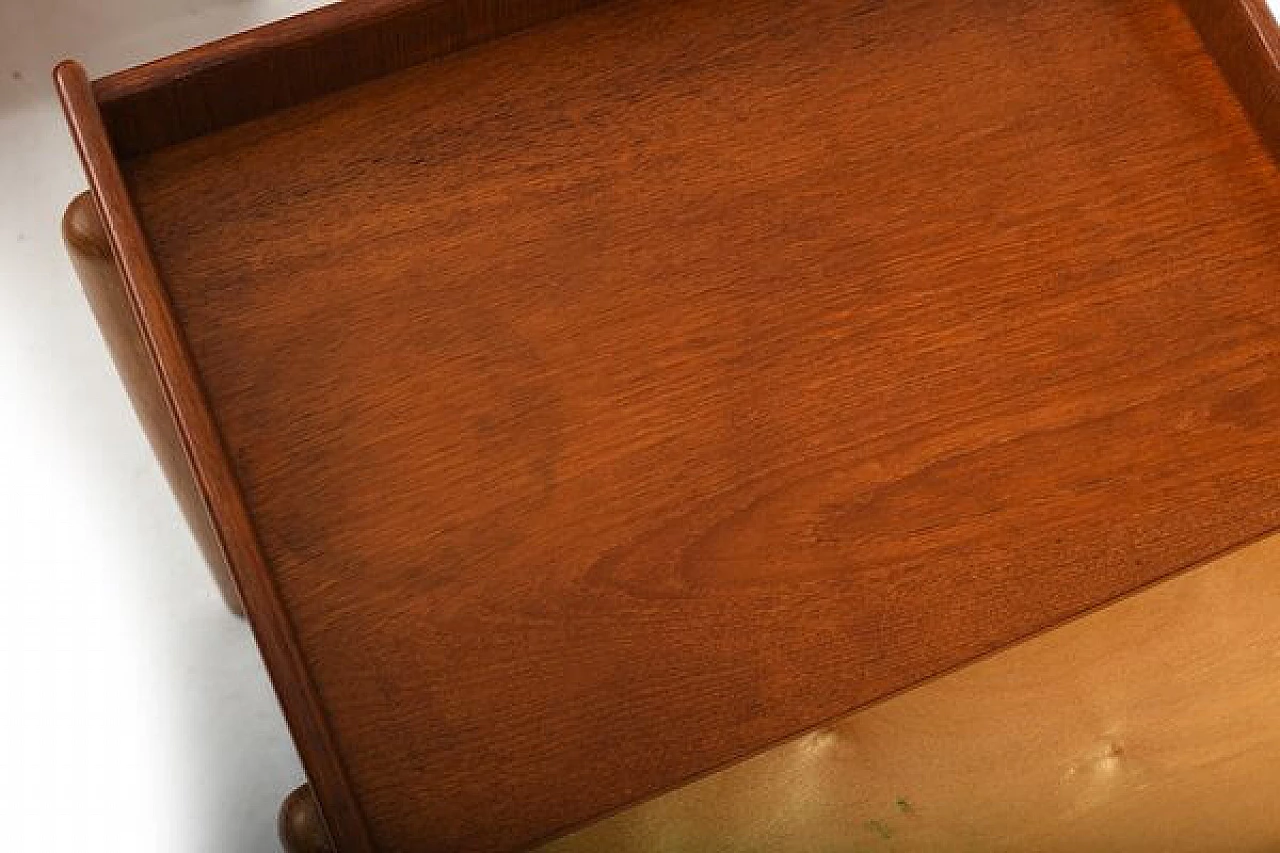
column 302, row 828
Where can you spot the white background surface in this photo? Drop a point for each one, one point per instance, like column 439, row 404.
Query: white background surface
column 135, row 715
column 134, row 712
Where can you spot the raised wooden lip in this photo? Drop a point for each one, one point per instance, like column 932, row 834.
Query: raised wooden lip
column 210, row 466
column 1241, row 35
column 278, row 35
column 244, row 76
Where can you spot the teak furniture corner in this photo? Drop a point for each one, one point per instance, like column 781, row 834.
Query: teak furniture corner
column 579, row 397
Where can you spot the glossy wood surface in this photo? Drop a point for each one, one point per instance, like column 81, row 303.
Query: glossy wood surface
column 212, row 478
column 1243, row 37
column 1147, row 727
column 90, row 253
column 614, row 399
column 276, row 66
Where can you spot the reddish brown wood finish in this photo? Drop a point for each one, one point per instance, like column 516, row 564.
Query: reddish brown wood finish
column 1243, row 37
column 617, row 398
column 180, row 388
column 269, row 68
column 90, row 252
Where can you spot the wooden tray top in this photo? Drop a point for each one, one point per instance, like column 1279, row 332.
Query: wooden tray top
column 589, row 407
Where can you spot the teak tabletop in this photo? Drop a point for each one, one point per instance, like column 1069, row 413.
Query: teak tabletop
column 588, row 395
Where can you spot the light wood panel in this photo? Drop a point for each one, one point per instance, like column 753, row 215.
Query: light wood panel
column 1152, row 725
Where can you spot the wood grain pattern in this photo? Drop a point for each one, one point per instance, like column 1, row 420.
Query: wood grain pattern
column 1147, row 727
column 179, row 386
column 653, row 410
column 90, row 252
column 604, row 421
column 285, row 63
column 1243, row 37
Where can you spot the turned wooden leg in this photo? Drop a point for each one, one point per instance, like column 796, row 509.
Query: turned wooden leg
column 302, row 828
column 91, row 255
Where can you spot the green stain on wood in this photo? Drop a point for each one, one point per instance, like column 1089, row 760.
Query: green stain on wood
column 880, row 828
column 904, row 805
